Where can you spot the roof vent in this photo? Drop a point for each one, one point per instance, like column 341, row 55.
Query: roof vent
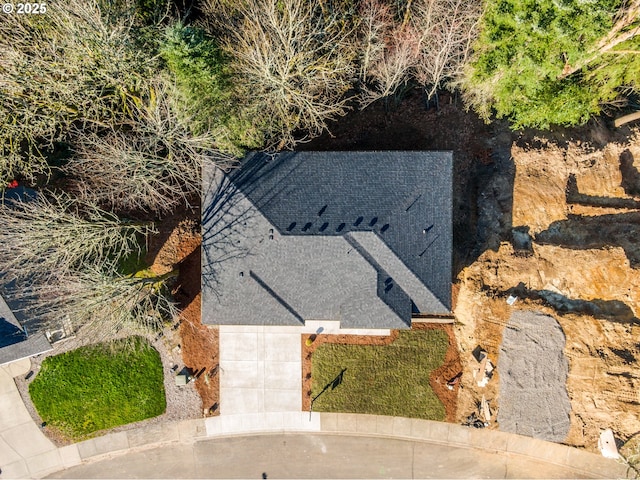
column 322, row 210
column 358, row 221
column 307, row 226
column 324, row 226
column 291, row 226
column 384, row 228
column 373, row 221
column 341, row 227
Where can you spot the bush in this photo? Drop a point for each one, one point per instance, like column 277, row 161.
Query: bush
column 98, row 387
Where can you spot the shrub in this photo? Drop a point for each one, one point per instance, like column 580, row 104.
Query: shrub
column 204, row 80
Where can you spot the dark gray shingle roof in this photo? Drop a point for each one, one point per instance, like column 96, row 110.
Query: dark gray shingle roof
column 14, row 343
column 360, row 237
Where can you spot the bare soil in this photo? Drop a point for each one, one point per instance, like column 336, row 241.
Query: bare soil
column 177, row 246
column 571, row 193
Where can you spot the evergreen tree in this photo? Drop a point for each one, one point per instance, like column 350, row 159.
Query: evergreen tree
column 547, row 62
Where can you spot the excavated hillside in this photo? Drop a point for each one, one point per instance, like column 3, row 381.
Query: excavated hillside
column 567, row 245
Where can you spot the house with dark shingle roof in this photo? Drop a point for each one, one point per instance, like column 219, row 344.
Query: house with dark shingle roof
column 364, row 238
column 15, row 343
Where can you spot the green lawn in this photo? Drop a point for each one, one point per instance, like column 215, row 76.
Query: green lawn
column 382, row 380
column 98, row 387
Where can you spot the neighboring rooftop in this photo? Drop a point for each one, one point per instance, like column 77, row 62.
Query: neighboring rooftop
column 360, row 237
column 15, row 344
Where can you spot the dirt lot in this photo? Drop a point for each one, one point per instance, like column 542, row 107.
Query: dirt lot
column 579, row 267
column 571, row 196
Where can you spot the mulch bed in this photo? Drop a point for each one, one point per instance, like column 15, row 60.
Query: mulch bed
column 438, row 378
column 178, row 245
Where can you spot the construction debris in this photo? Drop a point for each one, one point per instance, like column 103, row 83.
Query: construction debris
column 607, row 444
column 484, row 409
column 484, row 372
column 473, row 421
column 454, row 381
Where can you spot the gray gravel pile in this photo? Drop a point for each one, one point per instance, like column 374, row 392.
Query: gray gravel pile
column 533, row 376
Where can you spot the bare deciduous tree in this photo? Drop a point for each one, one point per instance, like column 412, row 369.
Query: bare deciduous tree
column 447, row 29
column 390, row 52
column 153, row 165
column 99, row 305
column 43, row 239
column 71, row 64
column 294, row 62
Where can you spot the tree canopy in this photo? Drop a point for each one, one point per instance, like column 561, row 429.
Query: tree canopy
column 548, row 62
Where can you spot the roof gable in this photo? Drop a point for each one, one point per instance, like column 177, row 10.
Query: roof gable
column 354, row 236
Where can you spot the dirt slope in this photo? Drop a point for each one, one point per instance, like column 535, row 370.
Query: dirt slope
column 578, row 202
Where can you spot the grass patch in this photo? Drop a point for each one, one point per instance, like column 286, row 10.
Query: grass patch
column 100, row 386
column 381, row 380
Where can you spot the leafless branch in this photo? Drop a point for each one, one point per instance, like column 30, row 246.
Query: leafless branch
column 154, row 165
column 43, row 239
column 294, row 63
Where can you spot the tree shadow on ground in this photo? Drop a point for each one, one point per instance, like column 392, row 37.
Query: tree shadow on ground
column 587, row 232
column 612, row 310
column 583, row 233
column 630, row 174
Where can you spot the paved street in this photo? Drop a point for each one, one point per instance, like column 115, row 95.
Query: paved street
column 316, row 456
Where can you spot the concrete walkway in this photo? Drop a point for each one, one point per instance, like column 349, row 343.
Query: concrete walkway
column 24, row 450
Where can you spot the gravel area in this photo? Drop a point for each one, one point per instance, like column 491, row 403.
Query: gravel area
column 183, row 402
column 533, row 378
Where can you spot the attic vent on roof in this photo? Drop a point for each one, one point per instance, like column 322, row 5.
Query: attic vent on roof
column 324, row 226
column 384, row 228
column 322, row 210
column 373, row 221
column 358, row 221
column 307, row 226
column 242, row 274
column 341, row 227
column 291, row 226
